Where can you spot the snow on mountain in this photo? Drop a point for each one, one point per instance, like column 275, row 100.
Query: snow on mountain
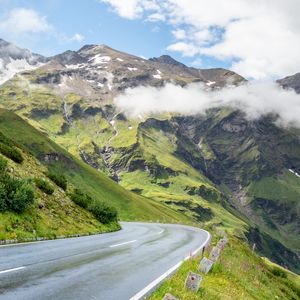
column 14, row 60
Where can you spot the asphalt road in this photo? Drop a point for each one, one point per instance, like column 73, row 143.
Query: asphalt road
column 109, row 266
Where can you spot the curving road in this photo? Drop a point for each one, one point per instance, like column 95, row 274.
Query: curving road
column 120, row 265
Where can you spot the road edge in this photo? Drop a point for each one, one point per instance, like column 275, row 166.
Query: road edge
column 151, row 287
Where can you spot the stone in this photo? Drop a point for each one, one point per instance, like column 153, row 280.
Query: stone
column 221, row 243
column 193, row 282
column 205, row 265
column 169, row 297
column 214, row 254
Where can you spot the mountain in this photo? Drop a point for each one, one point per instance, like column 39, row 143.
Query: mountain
column 220, row 170
column 292, row 82
column 14, row 59
column 55, row 214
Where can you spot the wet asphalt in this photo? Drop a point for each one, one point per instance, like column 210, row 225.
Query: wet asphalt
column 112, row 266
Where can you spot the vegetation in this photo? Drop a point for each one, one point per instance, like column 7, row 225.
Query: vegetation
column 103, row 212
column 11, row 153
column 44, row 186
column 59, row 179
column 15, row 195
column 238, row 274
column 130, row 206
column 80, row 198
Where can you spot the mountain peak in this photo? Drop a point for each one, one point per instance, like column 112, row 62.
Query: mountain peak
column 167, row 59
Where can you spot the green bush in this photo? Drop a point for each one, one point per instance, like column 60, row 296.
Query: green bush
column 103, row 212
column 15, row 194
column 44, row 186
column 80, row 198
column 59, row 179
column 11, row 153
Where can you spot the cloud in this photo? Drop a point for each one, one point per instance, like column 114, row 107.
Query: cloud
column 23, row 20
column 255, row 99
column 261, row 38
column 77, row 37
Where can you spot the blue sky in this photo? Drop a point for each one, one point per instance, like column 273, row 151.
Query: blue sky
column 259, row 39
column 98, row 24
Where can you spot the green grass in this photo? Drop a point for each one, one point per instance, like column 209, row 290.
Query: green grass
column 238, row 274
column 129, row 205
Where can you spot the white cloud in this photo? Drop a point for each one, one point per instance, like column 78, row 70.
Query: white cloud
column 23, row 20
column 255, row 99
column 77, row 37
column 261, row 37
column 185, row 48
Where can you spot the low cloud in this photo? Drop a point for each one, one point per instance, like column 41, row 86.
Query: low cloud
column 255, row 99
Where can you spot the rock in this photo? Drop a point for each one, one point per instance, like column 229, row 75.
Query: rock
column 221, row 243
column 205, row 265
column 169, row 297
column 193, row 282
column 214, row 254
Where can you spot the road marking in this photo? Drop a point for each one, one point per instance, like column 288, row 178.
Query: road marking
column 161, row 232
column 117, row 245
column 156, row 282
column 11, row 270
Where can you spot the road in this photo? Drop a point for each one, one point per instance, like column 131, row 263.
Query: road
column 108, row 266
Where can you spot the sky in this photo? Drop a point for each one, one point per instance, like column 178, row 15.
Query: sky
column 259, row 39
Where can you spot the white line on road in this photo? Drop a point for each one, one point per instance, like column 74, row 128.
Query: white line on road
column 130, row 242
column 11, row 270
column 157, row 281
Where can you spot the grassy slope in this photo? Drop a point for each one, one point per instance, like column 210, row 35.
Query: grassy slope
column 129, row 205
column 51, row 215
column 284, row 190
column 238, row 274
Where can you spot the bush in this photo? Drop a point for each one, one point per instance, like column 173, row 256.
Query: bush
column 11, row 153
column 22, row 197
column 15, row 194
column 80, row 198
column 59, row 179
column 44, row 186
column 103, row 212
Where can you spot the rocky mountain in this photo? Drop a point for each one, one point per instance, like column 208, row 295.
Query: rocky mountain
column 292, row 82
column 220, row 169
column 14, row 59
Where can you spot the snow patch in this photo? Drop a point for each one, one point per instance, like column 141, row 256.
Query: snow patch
column 132, row 69
column 157, row 76
column 13, row 67
column 98, row 59
column 158, row 71
column 120, row 59
column 209, row 83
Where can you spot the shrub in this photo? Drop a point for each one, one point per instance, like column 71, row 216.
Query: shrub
column 22, row 197
column 11, row 153
column 15, row 194
column 44, row 186
column 80, row 198
column 59, row 179
column 103, row 212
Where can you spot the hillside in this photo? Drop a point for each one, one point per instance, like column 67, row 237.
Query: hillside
column 218, row 170
column 54, row 215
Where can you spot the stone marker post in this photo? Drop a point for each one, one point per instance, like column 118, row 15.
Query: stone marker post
column 169, row 297
column 221, row 243
column 193, row 282
column 214, row 254
column 205, row 265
